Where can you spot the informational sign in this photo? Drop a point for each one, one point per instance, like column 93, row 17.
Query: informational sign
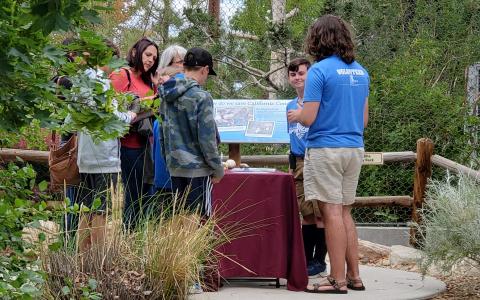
column 252, row 121
column 373, row 158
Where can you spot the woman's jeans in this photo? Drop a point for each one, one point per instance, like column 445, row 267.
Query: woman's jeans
column 137, row 193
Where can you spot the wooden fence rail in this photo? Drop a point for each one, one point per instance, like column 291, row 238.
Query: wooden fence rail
column 423, row 158
column 375, row 201
column 252, row 160
column 7, row 154
column 27, row 155
column 455, row 167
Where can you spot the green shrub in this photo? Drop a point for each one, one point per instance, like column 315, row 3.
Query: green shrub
column 450, row 230
column 20, row 206
column 160, row 259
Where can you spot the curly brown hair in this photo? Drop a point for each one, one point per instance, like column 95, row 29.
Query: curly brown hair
column 330, row 35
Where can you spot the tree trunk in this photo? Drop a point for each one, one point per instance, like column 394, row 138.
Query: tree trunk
column 278, row 57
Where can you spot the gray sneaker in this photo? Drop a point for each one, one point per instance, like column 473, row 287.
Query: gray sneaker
column 196, row 288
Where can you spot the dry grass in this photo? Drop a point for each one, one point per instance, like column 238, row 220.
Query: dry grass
column 161, row 259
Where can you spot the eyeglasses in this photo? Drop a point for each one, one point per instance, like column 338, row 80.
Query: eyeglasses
column 180, row 61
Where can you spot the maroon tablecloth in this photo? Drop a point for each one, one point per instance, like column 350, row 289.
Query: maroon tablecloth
column 271, row 246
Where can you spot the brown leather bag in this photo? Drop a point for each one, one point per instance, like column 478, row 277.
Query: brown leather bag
column 62, row 163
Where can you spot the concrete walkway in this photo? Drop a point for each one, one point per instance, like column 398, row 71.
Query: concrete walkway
column 381, row 283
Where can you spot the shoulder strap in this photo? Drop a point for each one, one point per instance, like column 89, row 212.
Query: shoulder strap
column 57, row 79
column 128, row 77
column 54, row 138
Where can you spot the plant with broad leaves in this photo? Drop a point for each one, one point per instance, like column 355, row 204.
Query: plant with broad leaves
column 22, row 202
column 28, row 61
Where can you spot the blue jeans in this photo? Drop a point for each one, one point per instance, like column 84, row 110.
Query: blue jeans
column 72, row 218
column 137, row 193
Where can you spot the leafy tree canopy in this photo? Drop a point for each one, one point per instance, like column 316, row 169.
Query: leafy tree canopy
column 29, row 60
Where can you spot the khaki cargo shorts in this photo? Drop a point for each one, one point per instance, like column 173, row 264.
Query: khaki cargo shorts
column 331, row 174
column 306, row 208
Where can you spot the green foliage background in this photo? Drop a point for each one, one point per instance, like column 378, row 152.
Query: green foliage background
column 416, row 53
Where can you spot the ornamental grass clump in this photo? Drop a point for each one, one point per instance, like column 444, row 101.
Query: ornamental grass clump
column 161, row 259
column 450, row 228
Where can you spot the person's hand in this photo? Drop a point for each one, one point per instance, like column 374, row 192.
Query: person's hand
column 155, row 79
column 132, row 116
column 215, row 180
column 147, row 98
column 163, row 79
column 294, row 115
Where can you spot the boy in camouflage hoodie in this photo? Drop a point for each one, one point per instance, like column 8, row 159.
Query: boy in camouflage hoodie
column 189, row 132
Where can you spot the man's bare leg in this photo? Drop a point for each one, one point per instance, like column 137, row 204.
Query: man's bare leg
column 336, row 239
column 352, row 244
column 83, row 234
column 98, row 230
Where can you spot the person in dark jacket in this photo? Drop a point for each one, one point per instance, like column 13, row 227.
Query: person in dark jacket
column 190, row 133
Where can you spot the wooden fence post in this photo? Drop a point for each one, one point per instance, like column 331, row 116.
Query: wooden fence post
column 234, row 153
column 423, row 171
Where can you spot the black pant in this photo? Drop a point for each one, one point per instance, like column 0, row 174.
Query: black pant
column 96, row 186
column 195, row 191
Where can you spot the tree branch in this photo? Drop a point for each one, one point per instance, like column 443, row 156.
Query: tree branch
column 292, row 13
column 243, row 66
column 255, row 73
column 243, row 35
column 266, row 88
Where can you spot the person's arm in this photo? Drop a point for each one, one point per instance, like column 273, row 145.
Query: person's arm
column 365, row 114
column 312, row 97
column 305, row 116
column 206, row 132
column 127, row 117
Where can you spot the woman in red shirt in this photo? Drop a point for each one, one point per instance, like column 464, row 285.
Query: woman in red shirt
column 135, row 151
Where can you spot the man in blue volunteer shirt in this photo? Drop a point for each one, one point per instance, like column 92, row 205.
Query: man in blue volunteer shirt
column 313, row 237
column 336, row 110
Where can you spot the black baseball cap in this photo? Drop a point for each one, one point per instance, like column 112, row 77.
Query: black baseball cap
column 199, row 57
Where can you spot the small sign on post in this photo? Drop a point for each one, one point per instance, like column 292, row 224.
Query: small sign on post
column 373, row 158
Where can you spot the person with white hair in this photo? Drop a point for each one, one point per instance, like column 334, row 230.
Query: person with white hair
column 170, row 65
column 171, row 61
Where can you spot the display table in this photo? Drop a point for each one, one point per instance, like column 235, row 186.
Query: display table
column 271, row 245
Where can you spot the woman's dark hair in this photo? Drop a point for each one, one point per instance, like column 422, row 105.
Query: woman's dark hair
column 70, row 55
column 296, row 63
column 134, row 59
column 330, row 35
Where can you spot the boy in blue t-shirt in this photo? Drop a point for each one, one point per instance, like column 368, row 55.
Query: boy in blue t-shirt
column 313, row 237
column 336, row 110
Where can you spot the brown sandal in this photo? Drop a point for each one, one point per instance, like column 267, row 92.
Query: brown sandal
column 331, row 282
column 353, row 284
